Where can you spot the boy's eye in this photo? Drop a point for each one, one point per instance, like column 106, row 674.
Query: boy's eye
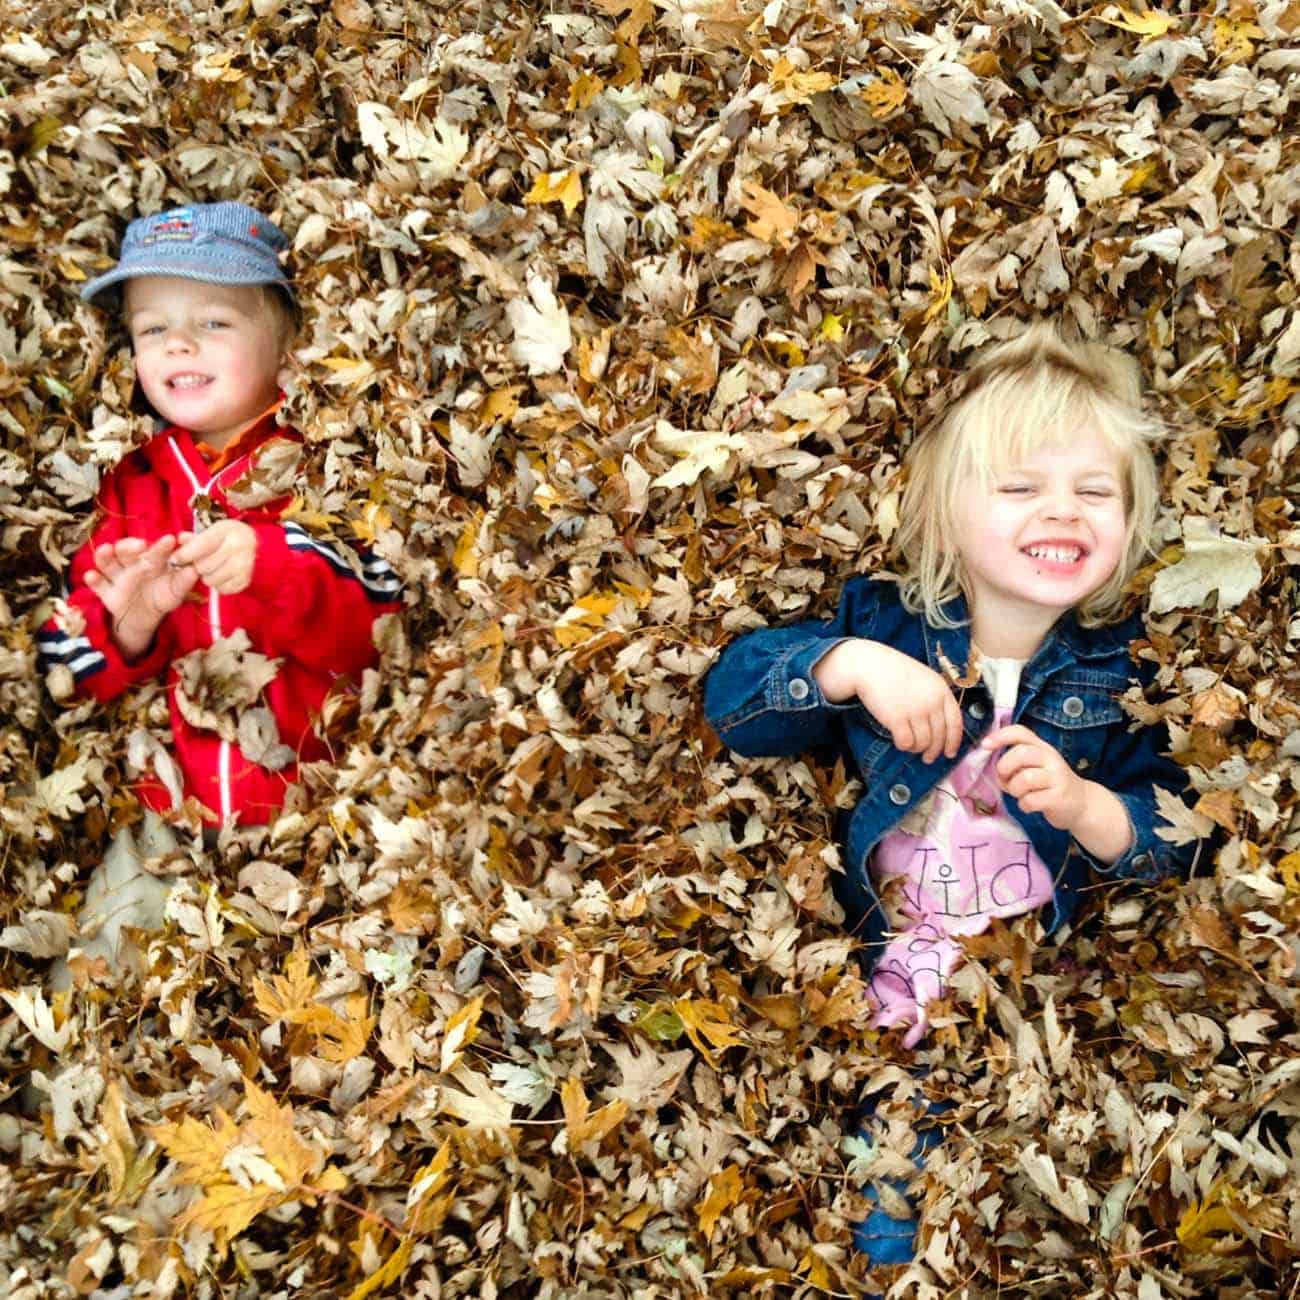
column 215, row 324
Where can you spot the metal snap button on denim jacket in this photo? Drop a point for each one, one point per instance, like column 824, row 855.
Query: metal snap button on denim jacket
column 763, row 701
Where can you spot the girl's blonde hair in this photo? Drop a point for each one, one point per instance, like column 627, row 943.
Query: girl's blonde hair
column 1033, row 392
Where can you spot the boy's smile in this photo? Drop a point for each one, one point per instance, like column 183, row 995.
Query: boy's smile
column 207, row 355
column 1039, row 539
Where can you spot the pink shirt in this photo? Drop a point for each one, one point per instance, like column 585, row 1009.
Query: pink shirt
column 957, row 860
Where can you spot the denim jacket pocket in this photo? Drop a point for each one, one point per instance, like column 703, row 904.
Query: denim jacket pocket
column 1077, row 719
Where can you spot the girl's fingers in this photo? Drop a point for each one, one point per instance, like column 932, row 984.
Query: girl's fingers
column 921, row 735
column 952, row 726
column 940, row 734
column 904, row 736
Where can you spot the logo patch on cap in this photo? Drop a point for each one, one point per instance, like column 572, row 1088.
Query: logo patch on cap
column 171, row 227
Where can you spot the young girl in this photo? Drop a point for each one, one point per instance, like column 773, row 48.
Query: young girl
column 979, row 696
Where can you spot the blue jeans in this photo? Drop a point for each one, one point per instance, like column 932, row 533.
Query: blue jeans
column 881, row 1237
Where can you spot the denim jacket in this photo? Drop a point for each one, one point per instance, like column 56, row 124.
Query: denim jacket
column 762, row 700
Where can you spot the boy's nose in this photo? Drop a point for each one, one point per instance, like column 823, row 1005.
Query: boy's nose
column 179, row 340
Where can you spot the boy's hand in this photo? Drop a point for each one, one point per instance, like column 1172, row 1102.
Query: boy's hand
column 139, row 585
column 223, row 555
column 908, row 698
column 1041, row 781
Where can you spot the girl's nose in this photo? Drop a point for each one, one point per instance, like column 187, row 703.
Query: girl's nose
column 1061, row 505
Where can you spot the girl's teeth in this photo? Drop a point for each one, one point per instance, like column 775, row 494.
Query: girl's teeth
column 1057, row 554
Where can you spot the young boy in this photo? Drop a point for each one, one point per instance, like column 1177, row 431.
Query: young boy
column 176, row 565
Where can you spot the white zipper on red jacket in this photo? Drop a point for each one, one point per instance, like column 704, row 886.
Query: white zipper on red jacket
column 214, row 606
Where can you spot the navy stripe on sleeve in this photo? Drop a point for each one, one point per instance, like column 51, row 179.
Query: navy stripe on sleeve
column 376, row 576
column 74, row 652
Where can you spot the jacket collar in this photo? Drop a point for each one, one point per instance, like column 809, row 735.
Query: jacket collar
column 161, row 456
column 948, row 649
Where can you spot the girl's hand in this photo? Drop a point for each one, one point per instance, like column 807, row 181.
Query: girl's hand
column 908, row 698
column 223, row 555
column 1037, row 777
column 139, row 585
column 1041, row 781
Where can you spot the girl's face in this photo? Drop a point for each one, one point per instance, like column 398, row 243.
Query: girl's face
column 207, row 355
column 1039, row 539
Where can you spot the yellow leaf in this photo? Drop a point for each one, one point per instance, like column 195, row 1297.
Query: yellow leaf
column 639, row 596
column 798, row 86
column 315, row 521
column 1288, row 868
column 582, row 1127
column 375, row 519
column 787, row 349
column 1139, row 175
column 942, row 291
column 341, row 1039
column 724, row 1191
column 465, row 557
column 584, row 618
column 228, row 1209
column 289, row 994
column 832, row 327
column 488, row 646
column 462, row 1030
column 707, row 1020
column 813, row 1266
column 388, row 1272
column 887, row 94
column 1235, row 40
column 557, row 187
column 427, row 1204
column 70, row 269
column 1147, row 24
column 774, row 222
column 1204, row 1223
column 501, row 404
column 119, row 1147
column 583, row 91
column 200, row 1148
column 706, row 232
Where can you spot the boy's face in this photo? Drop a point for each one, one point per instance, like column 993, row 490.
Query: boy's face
column 208, row 356
column 1042, row 537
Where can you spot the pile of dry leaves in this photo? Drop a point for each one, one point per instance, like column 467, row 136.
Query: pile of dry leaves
column 619, row 318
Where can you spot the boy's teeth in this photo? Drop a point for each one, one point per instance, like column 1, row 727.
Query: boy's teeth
column 188, row 381
column 1057, row 554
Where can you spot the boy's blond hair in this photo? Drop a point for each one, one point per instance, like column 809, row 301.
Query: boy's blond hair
column 1035, row 391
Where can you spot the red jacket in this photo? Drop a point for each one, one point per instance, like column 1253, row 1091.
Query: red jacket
column 312, row 604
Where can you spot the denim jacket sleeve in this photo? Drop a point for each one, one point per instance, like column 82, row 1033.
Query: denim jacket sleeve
column 761, row 697
column 1133, row 763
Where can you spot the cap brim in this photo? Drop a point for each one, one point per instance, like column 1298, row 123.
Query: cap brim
column 99, row 292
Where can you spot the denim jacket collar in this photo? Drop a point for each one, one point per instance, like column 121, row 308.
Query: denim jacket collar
column 1065, row 644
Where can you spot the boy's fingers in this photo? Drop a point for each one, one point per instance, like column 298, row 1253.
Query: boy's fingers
column 197, row 547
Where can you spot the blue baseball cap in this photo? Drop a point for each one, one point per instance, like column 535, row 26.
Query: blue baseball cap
column 217, row 243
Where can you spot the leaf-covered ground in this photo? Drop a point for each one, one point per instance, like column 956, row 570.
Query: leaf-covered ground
column 619, row 319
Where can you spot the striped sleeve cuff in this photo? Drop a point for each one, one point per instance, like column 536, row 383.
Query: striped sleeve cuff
column 73, row 652
column 373, row 572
